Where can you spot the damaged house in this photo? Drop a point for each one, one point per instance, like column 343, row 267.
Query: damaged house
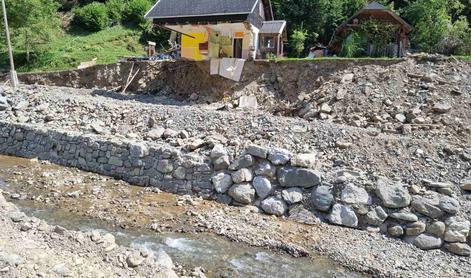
column 207, row 29
column 375, row 30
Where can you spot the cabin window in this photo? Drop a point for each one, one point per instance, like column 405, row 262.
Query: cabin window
column 269, row 43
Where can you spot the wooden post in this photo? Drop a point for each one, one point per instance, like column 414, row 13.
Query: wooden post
column 13, row 76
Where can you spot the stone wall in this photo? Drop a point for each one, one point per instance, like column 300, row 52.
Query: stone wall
column 275, row 180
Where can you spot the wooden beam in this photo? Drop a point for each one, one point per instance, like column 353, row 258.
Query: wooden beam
column 168, row 29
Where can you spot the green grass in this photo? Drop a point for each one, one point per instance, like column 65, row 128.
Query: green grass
column 76, row 46
column 465, row 58
column 338, row 59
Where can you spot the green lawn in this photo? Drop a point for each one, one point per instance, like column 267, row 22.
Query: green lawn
column 76, row 46
column 338, row 59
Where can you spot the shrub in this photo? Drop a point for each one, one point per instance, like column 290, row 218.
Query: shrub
column 115, row 9
column 93, row 16
column 136, row 10
column 297, row 41
column 353, row 46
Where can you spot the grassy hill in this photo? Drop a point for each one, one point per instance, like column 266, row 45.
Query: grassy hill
column 76, row 46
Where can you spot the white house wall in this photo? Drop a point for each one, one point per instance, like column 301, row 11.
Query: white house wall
column 201, row 33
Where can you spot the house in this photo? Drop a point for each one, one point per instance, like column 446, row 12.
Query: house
column 208, row 29
column 399, row 42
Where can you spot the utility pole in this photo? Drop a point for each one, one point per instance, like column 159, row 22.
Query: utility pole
column 13, row 76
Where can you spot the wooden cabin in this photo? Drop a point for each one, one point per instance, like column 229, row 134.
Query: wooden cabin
column 378, row 13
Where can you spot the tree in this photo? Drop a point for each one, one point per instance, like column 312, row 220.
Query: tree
column 93, row 16
column 32, row 23
column 434, row 24
column 297, row 41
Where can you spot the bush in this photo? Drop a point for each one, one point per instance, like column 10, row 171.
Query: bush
column 297, row 41
column 353, row 46
column 136, row 10
column 93, row 16
column 115, row 9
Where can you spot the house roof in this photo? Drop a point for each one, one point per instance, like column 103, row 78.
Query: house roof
column 197, row 8
column 273, row 27
column 375, row 7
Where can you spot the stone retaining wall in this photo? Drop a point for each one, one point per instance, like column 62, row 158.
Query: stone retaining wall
column 275, row 180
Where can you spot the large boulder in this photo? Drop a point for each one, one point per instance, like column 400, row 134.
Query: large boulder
column 221, row 163
column 274, row 206
column 395, row 230
column 415, row 228
column 305, row 160
column 428, row 206
column 461, row 249
column 221, row 182
column 266, row 169
column 218, row 151
column 279, row 156
column 393, row 195
column 257, row 151
column 436, row 228
column 449, row 204
column 244, row 161
column 219, row 157
column 242, row 193
column 352, row 194
column 466, row 185
column 242, row 175
column 457, row 229
column 292, row 195
column 427, row 242
column 322, row 198
column 298, row 177
column 343, row 216
column 404, row 216
column 262, row 186
column 376, row 216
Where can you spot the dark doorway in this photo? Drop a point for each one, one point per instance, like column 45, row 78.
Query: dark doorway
column 238, row 48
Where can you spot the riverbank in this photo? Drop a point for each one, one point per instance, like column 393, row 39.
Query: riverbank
column 126, row 206
column 30, row 247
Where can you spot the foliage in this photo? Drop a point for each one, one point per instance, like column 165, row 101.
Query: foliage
column 93, row 16
column 353, row 46
column 136, row 10
column 380, row 34
column 436, row 30
column 70, row 50
column 457, row 40
column 32, row 24
column 115, row 9
column 297, row 41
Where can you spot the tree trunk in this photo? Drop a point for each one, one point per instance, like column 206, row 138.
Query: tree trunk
column 27, row 47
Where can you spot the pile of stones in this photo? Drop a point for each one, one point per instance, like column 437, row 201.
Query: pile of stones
column 279, row 182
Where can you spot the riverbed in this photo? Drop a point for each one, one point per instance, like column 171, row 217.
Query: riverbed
column 85, row 201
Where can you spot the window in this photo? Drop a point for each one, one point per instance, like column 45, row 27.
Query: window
column 269, row 43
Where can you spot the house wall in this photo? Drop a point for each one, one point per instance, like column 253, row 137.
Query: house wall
column 220, row 38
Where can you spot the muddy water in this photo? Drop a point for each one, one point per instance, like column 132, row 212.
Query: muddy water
column 218, row 256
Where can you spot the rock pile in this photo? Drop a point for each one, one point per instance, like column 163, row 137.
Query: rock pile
column 277, row 180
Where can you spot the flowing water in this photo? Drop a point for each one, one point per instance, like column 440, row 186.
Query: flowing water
column 218, row 256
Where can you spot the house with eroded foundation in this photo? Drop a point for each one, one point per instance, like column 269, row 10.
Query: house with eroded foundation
column 243, row 29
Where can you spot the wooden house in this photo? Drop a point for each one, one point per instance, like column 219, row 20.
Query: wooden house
column 378, row 13
column 221, row 28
